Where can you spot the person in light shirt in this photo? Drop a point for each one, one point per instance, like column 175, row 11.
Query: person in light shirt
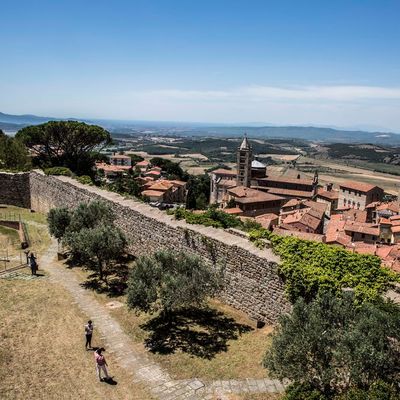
column 88, row 333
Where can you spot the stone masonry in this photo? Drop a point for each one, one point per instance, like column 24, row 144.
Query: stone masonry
column 252, row 282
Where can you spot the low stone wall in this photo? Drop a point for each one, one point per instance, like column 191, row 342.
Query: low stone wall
column 14, row 189
column 252, row 282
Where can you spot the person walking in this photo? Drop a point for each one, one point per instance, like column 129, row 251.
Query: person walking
column 101, row 364
column 33, row 263
column 88, row 333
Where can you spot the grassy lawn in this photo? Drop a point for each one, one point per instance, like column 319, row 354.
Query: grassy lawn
column 42, row 353
column 219, row 344
column 38, row 233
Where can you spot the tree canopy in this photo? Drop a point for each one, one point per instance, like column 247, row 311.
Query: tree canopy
column 90, row 234
column 13, row 154
column 334, row 345
column 64, row 143
column 173, row 169
column 169, row 281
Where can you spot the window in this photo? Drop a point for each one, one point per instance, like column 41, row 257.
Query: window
column 362, row 235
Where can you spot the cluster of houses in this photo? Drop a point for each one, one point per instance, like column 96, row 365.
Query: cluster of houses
column 151, row 179
column 354, row 215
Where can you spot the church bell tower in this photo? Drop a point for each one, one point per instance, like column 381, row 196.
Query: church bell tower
column 244, row 157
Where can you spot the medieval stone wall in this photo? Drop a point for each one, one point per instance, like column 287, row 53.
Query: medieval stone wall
column 252, row 281
column 14, row 189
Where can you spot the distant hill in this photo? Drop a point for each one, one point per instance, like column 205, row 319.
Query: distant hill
column 13, row 123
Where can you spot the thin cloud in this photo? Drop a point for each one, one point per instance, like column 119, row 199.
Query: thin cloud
column 270, row 93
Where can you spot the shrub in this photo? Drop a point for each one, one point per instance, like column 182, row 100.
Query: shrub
column 85, row 180
column 302, row 391
column 64, row 171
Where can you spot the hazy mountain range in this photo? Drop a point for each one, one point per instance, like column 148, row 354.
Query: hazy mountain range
column 12, row 123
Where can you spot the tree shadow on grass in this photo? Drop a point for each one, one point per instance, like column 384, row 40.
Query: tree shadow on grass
column 199, row 332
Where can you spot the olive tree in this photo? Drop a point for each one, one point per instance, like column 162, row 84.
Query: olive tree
column 169, row 281
column 334, row 345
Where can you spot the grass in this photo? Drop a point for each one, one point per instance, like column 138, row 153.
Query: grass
column 42, row 352
column 36, row 226
column 221, row 345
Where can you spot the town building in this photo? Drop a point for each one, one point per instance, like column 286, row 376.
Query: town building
column 358, row 195
column 120, row 160
column 328, row 196
column 254, row 202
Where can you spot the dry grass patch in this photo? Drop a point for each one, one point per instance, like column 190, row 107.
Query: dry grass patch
column 42, row 353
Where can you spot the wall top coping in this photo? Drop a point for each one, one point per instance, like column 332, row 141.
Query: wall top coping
column 158, row 215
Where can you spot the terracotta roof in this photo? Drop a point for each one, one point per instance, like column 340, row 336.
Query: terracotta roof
column 233, row 210
column 355, row 215
column 247, row 195
column 328, row 194
column 112, row 168
column 365, row 228
column 385, row 221
column 178, row 183
column 152, row 193
column 373, row 204
column 363, row 248
column 394, row 217
column 361, row 187
column 335, row 231
column 343, row 208
column 153, row 172
column 392, row 206
column 289, row 192
column 162, row 185
column 143, row 163
column 221, row 171
column 291, row 203
column 267, row 216
column 395, row 229
column 227, row 183
column 284, row 179
column 306, row 216
column 301, row 235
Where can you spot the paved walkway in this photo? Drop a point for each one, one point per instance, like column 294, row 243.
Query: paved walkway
column 139, row 365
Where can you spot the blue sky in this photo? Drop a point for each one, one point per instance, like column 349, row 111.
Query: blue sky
column 283, row 62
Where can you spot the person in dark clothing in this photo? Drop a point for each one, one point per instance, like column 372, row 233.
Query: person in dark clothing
column 88, row 333
column 33, row 263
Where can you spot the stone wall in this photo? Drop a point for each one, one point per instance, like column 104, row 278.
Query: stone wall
column 14, row 189
column 252, row 281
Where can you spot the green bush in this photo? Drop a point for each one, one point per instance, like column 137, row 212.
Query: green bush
column 304, row 391
column 212, row 217
column 58, row 171
column 378, row 391
column 308, row 267
column 85, row 180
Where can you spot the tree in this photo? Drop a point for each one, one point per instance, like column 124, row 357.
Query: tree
column 334, row 345
column 99, row 247
column 173, row 169
column 198, row 190
column 58, row 220
column 136, row 158
column 13, row 154
column 169, row 281
column 90, row 215
column 64, row 143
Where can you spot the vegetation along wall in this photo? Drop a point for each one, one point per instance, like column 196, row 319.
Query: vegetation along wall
column 252, row 281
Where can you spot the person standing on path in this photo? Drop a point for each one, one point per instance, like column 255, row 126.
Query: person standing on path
column 33, row 264
column 101, row 364
column 88, row 333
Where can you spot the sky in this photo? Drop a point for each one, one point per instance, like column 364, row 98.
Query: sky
column 306, row 62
